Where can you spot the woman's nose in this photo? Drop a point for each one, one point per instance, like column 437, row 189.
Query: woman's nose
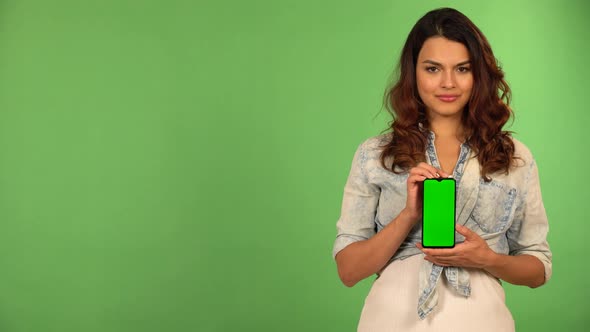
column 448, row 80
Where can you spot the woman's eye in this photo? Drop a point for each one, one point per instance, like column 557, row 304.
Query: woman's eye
column 464, row 69
column 431, row 69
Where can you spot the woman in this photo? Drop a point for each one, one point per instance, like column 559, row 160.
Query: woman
column 448, row 118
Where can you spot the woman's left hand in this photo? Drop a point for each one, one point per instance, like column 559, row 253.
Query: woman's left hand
column 473, row 252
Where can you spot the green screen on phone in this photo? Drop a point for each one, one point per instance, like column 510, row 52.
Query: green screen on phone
column 438, row 213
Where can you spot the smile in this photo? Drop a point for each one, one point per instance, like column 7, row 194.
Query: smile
column 448, row 99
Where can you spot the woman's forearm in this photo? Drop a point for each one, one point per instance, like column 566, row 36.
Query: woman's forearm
column 361, row 259
column 518, row 270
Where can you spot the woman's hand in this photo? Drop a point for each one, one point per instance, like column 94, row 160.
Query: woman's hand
column 415, row 184
column 473, row 252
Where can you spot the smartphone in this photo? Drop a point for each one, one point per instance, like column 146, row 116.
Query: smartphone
column 438, row 213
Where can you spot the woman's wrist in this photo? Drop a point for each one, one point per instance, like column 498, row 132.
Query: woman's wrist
column 493, row 261
column 408, row 217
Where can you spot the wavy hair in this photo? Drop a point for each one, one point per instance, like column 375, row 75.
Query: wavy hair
column 486, row 112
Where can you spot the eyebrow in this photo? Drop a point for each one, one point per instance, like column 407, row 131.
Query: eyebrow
column 440, row 64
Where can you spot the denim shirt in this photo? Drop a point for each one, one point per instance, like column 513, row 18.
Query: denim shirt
column 508, row 212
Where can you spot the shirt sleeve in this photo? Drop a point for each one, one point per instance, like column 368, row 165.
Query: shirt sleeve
column 359, row 204
column 528, row 233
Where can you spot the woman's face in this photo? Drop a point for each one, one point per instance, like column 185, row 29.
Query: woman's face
column 444, row 77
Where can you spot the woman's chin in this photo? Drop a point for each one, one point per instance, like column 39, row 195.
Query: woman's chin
column 446, row 113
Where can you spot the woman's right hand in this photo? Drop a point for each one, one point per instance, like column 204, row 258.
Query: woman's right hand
column 417, row 175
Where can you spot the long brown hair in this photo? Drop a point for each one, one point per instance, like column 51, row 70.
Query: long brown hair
column 484, row 115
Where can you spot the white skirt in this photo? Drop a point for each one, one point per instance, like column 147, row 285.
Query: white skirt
column 392, row 302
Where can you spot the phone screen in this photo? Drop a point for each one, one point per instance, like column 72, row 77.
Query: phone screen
column 438, row 213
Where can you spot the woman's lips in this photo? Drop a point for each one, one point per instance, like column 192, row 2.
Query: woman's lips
column 448, row 98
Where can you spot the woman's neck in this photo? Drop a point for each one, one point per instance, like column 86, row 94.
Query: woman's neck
column 447, row 128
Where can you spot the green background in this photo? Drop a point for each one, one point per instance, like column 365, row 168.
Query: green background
column 179, row 166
